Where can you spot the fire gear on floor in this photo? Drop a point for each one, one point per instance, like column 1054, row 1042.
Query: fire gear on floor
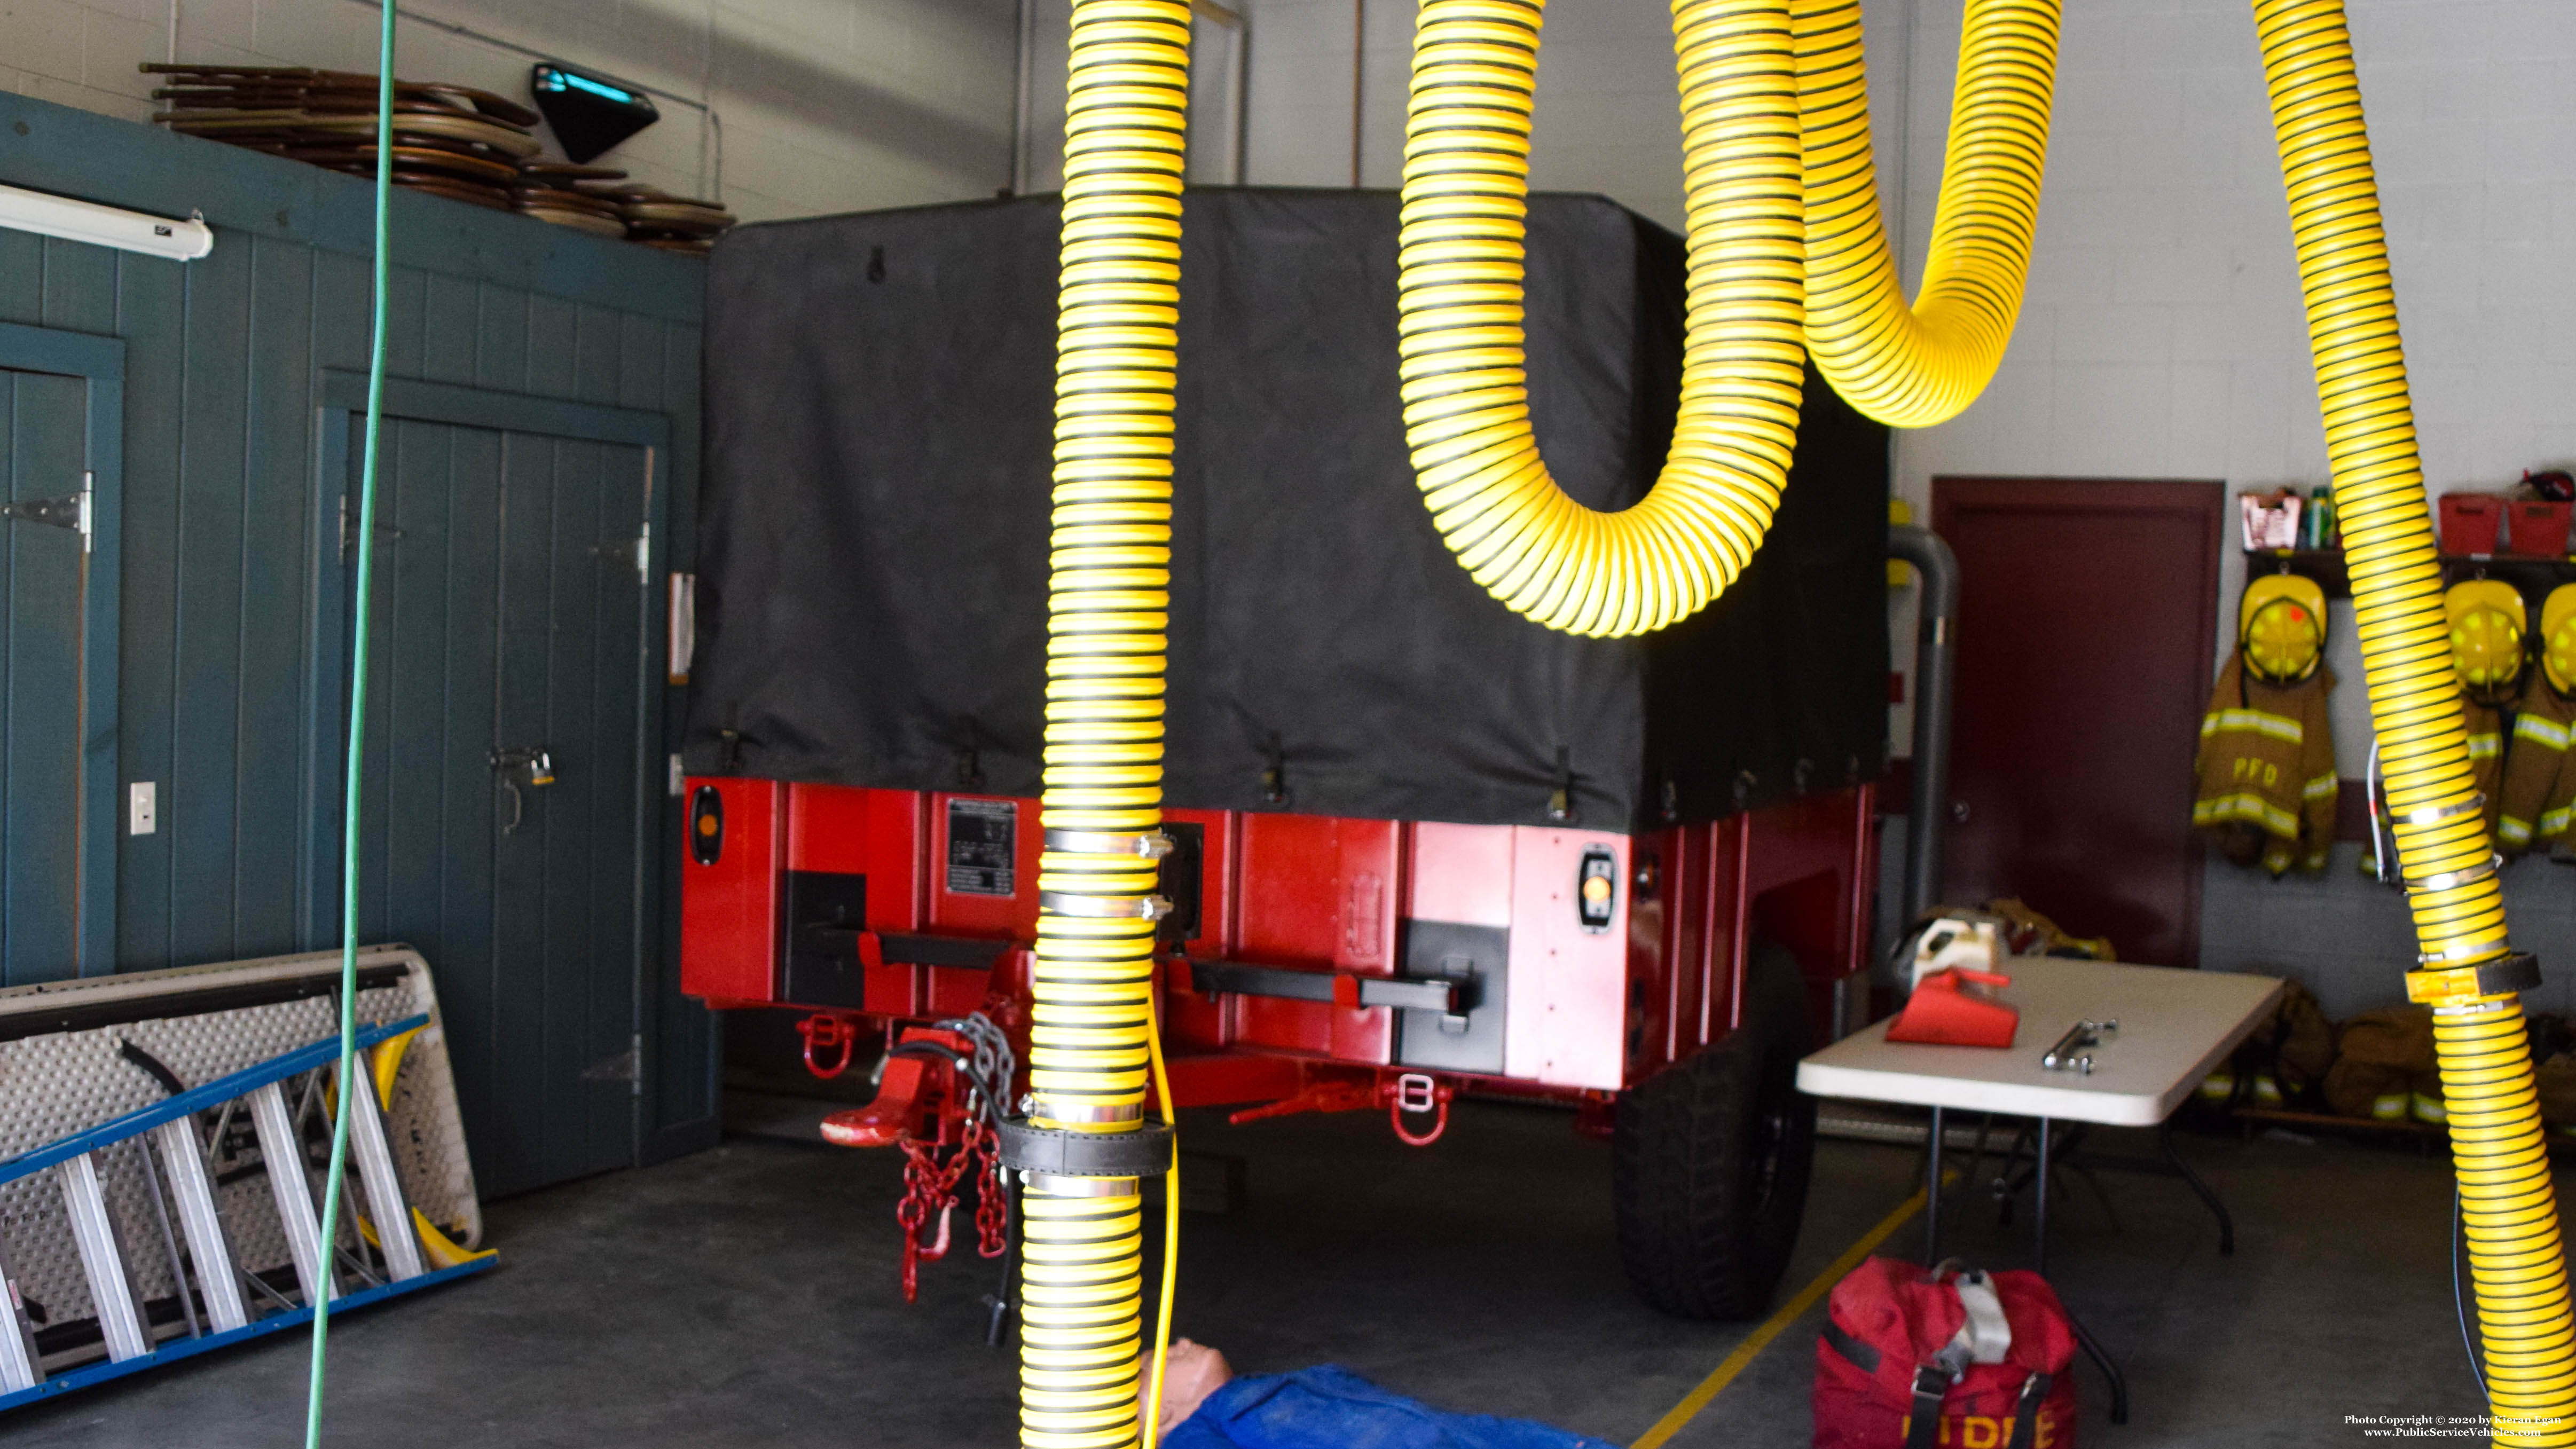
column 2267, row 771
column 2385, row 1067
column 1911, row 1359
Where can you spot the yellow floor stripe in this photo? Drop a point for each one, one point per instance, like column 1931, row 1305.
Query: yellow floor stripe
column 1777, row 1324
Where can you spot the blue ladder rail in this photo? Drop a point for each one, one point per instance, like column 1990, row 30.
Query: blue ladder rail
column 186, row 1104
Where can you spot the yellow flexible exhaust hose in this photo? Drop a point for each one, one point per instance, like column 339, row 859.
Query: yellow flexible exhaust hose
column 1913, row 367
column 1126, row 139
column 2509, row 1207
column 1786, row 247
column 1463, row 361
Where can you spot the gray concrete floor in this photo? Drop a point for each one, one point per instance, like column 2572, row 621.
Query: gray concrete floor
column 746, row 1297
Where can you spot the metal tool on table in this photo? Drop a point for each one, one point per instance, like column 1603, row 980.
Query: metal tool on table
column 2072, row 1054
column 217, row 1299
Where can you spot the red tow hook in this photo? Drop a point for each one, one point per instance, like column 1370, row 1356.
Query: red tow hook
column 825, row 1030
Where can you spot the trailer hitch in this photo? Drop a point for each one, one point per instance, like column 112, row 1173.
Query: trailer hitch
column 1407, row 1093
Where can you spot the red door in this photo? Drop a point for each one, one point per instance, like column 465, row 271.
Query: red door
column 2087, row 621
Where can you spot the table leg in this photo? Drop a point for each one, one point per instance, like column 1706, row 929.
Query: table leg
column 2182, row 1169
column 1932, row 1192
column 2039, row 1208
column 2102, row 1360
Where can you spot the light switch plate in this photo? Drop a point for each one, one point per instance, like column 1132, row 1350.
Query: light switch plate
column 141, row 813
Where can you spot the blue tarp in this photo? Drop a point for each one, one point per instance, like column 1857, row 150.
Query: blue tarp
column 1333, row 1408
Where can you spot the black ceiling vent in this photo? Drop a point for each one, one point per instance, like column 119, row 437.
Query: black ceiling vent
column 589, row 115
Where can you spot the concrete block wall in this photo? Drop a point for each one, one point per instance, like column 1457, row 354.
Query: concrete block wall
column 2164, row 338
column 1608, row 107
column 820, row 105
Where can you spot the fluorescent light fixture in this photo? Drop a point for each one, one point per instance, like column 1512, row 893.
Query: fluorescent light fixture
column 82, row 221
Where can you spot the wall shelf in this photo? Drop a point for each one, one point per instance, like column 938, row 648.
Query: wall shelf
column 2532, row 577
column 2325, row 565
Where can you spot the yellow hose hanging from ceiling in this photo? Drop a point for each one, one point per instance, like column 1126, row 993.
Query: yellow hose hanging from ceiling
column 1786, row 245
column 1913, row 367
column 1757, row 263
column 1463, row 361
column 2467, row 970
column 1126, row 136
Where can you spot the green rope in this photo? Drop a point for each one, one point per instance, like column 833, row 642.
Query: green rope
column 357, row 729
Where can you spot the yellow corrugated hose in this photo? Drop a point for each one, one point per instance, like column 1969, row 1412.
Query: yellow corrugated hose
column 1463, row 361
column 2508, row 1204
column 1091, row 1021
column 1767, row 181
column 1785, row 245
column 1913, row 367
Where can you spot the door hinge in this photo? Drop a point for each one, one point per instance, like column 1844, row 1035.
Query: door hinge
column 349, row 528
column 637, row 551
column 627, row 1066
column 72, row 513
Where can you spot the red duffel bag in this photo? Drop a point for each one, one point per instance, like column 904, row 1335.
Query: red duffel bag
column 1948, row 1359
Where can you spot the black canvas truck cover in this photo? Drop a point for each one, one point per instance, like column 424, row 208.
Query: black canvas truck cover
column 873, row 550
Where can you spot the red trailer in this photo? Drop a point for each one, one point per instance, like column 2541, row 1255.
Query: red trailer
column 1662, row 984
column 1418, row 845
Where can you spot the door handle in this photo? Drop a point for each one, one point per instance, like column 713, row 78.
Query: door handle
column 521, row 768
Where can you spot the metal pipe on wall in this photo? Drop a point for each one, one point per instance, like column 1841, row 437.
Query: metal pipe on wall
column 1020, row 101
column 1359, row 78
column 1927, row 817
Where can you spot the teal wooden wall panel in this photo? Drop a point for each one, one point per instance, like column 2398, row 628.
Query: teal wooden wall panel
column 276, row 492
column 22, row 277
column 150, row 304
column 198, row 803
column 222, row 519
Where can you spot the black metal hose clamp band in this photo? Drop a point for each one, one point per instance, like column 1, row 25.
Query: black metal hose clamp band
column 2449, row 879
column 1107, row 908
column 2461, row 954
column 2436, row 814
column 1150, row 845
column 1144, row 1151
column 2519, row 972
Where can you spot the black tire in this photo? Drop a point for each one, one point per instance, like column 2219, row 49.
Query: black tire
column 1710, row 1159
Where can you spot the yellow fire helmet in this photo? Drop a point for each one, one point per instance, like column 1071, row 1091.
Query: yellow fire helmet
column 2281, row 626
column 2487, row 622
column 2558, row 638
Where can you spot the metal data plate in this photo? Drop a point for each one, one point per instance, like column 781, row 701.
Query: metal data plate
column 61, row 1081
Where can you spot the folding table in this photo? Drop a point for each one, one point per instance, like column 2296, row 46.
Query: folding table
column 2174, row 1028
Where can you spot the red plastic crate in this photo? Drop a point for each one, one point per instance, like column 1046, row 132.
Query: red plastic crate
column 2537, row 527
column 2471, row 522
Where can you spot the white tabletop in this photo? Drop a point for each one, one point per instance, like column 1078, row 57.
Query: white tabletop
column 2175, row 1026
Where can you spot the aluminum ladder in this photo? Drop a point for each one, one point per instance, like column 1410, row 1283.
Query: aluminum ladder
column 219, row 1302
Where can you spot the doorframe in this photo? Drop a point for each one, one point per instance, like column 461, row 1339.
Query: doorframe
column 2069, row 494
column 99, row 362
column 340, row 408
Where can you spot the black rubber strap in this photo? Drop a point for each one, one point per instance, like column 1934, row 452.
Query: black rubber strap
column 1923, row 1426
column 1145, row 1151
column 2034, row 1392
column 1861, row 1355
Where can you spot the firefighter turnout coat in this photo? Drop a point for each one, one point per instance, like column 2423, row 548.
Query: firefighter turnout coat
column 2267, row 770
column 2539, row 777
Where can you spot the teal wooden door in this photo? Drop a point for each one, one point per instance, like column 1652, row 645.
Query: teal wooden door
column 59, row 417
column 509, row 624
